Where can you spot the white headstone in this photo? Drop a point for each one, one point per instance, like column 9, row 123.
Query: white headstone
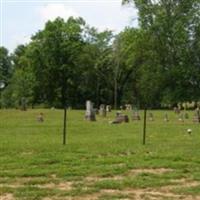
column 90, row 114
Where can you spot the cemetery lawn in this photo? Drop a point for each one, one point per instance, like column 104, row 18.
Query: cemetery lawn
column 100, row 161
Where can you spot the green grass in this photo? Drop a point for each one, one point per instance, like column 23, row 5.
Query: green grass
column 32, row 154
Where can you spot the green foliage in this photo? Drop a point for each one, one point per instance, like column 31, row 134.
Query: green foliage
column 22, row 82
column 61, row 44
column 172, row 29
column 69, row 62
column 127, row 64
column 5, row 65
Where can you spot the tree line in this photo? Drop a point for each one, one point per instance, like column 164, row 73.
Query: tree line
column 68, row 62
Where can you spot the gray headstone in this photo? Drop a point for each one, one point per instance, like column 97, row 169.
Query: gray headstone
column 120, row 118
column 186, row 116
column 181, row 118
column 150, row 117
column 40, row 117
column 136, row 116
column 166, row 118
column 102, row 110
column 177, row 110
column 90, row 112
column 23, row 104
column 196, row 117
column 108, row 108
column 128, row 107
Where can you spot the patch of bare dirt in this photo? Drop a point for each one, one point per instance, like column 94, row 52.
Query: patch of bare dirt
column 118, row 165
column 164, row 192
column 98, row 178
column 140, row 194
column 54, row 176
column 127, row 153
column 57, row 198
column 157, row 195
column 149, row 193
column 27, row 153
column 87, row 197
column 179, row 183
column 150, row 170
column 19, row 182
column 27, row 179
column 66, row 186
column 16, row 185
column 7, row 197
column 131, row 172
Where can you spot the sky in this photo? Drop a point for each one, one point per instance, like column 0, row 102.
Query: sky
column 20, row 19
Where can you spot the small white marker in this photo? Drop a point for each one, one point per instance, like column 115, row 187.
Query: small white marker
column 189, row 131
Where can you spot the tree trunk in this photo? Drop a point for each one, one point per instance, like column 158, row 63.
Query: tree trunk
column 144, row 127
column 64, row 127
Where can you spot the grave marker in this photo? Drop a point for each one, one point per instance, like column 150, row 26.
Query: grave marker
column 196, row 117
column 136, row 116
column 90, row 113
column 120, row 118
column 128, row 107
column 166, row 118
column 108, row 108
column 151, row 118
column 181, row 118
column 102, row 110
column 186, row 116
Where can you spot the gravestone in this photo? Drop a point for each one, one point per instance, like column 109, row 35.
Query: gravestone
column 121, row 107
column 96, row 111
column 136, row 116
column 118, row 113
column 180, row 118
column 120, row 118
column 150, row 117
column 166, row 118
column 186, row 116
column 23, row 104
column 90, row 112
column 196, row 117
column 198, row 113
column 102, row 110
column 177, row 110
column 128, row 107
column 40, row 117
column 108, row 108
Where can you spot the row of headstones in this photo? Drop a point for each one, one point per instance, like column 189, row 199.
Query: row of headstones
column 136, row 117
column 196, row 117
column 91, row 112
column 181, row 117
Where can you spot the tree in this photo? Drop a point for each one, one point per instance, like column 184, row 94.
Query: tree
column 171, row 28
column 20, row 88
column 5, row 68
column 58, row 46
column 96, row 48
column 126, row 66
column 5, row 65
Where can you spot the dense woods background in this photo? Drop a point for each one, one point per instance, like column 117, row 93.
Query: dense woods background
column 156, row 64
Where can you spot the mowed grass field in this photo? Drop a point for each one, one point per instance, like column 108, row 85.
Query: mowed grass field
column 100, row 161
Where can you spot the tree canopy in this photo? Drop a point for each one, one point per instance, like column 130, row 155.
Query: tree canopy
column 69, row 62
